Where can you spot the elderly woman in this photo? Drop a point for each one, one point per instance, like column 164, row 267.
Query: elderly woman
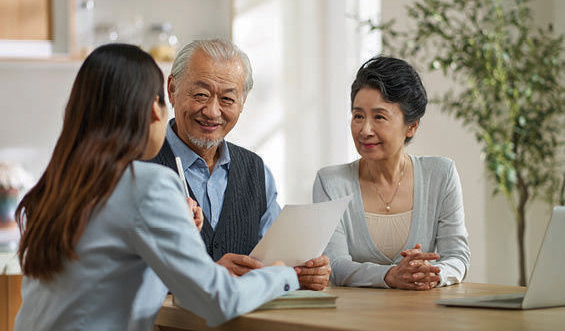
column 405, row 226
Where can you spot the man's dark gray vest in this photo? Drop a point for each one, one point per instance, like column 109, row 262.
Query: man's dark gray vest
column 245, row 202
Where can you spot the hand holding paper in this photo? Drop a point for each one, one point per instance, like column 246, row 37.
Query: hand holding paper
column 316, row 274
column 239, row 265
column 300, row 233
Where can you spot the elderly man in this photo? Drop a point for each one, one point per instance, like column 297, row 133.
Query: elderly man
column 208, row 85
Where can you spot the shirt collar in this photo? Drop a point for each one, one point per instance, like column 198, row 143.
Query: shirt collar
column 187, row 155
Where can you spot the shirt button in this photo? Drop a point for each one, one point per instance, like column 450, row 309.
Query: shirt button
column 286, row 287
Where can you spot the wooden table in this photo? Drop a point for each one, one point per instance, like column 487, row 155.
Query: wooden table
column 382, row 309
column 10, row 300
column 10, row 284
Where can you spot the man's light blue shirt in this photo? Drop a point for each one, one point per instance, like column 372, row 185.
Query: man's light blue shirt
column 209, row 188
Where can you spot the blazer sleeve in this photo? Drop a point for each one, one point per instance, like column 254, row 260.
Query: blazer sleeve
column 345, row 271
column 167, row 239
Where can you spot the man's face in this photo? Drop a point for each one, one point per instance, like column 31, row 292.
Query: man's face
column 207, row 100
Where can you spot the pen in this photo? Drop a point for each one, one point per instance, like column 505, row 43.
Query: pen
column 181, row 175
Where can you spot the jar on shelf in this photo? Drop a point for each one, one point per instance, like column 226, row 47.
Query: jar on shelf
column 162, row 42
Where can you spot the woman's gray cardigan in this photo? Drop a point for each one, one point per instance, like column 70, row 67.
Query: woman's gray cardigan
column 437, row 224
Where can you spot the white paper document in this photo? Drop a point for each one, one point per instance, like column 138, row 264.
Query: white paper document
column 300, row 233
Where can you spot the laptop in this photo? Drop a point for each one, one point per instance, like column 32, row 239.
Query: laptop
column 546, row 282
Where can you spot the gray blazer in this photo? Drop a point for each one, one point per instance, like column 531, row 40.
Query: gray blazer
column 437, row 224
column 139, row 241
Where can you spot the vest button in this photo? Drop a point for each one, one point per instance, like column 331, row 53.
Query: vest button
column 216, row 245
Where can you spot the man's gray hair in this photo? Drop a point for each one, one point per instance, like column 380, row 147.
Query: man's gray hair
column 218, row 49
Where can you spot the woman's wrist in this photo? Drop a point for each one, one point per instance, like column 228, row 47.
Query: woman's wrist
column 389, row 277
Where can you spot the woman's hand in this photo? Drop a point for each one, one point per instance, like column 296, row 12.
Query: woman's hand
column 196, row 213
column 414, row 272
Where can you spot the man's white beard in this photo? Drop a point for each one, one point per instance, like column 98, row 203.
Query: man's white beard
column 204, row 143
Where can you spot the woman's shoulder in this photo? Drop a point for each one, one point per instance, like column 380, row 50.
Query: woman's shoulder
column 145, row 183
column 338, row 170
column 141, row 183
column 150, row 168
column 433, row 163
column 339, row 180
column 150, row 175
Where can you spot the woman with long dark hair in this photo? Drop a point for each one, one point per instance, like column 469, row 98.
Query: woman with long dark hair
column 103, row 234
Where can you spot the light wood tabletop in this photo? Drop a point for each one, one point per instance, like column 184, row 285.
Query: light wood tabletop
column 382, row 309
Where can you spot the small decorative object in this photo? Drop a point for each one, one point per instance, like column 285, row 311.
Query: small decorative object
column 162, row 42
column 13, row 181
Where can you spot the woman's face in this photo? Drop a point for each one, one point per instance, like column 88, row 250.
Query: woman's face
column 377, row 126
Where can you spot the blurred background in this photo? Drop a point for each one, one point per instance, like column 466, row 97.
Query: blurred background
column 304, row 55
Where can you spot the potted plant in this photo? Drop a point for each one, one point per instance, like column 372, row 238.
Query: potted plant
column 510, row 90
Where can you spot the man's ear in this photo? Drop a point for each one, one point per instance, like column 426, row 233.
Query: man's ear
column 171, row 89
column 243, row 102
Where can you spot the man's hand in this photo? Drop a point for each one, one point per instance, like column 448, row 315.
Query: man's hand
column 239, row 265
column 196, row 213
column 316, row 274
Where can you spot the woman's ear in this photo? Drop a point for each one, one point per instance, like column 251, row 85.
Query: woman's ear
column 412, row 128
column 157, row 112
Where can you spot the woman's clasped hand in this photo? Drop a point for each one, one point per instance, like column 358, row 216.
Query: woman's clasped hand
column 414, row 272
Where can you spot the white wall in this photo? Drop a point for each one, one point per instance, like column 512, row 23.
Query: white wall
column 34, row 96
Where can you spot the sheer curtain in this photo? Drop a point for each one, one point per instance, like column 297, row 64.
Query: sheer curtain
column 304, row 56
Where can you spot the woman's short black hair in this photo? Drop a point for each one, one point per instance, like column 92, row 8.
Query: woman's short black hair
column 398, row 83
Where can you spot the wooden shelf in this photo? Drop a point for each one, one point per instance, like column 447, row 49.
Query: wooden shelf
column 25, row 20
